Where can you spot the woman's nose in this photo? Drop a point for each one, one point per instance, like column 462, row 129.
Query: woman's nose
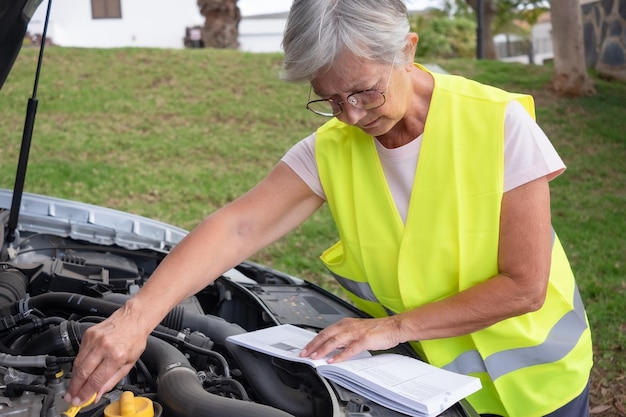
column 351, row 115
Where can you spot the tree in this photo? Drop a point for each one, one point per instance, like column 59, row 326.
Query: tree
column 490, row 10
column 570, row 70
column 500, row 13
column 221, row 25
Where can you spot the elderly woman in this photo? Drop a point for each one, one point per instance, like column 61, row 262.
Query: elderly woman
column 439, row 190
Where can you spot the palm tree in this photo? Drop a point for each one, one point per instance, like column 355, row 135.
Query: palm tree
column 221, row 25
column 570, row 70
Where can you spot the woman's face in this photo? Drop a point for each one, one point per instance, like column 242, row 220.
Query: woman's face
column 350, row 75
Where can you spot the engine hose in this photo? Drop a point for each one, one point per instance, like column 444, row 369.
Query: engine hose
column 181, row 392
column 178, row 318
column 260, row 373
column 258, row 370
column 234, row 386
column 56, row 341
column 48, row 395
column 19, row 361
column 67, row 303
column 29, row 328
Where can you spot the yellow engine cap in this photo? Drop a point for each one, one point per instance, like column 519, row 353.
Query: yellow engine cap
column 130, row 406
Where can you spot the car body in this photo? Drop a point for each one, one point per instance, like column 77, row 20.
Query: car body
column 66, row 265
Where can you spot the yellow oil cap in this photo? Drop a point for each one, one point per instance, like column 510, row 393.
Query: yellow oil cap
column 130, row 406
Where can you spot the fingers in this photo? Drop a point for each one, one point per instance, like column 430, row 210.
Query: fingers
column 100, row 378
column 346, row 353
column 341, row 340
column 349, row 337
column 101, row 362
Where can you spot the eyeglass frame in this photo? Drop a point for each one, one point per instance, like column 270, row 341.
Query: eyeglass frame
column 340, row 103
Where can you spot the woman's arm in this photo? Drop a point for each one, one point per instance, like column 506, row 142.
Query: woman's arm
column 524, row 256
column 278, row 204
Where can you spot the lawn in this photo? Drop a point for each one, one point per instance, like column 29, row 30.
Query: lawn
column 175, row 134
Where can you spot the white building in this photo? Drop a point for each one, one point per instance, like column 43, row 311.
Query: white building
column 542, row 39
column 262, row 33
column 117, row 23
column 142, row 23
column 515, row 48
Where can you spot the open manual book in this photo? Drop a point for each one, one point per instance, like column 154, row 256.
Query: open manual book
column 401, row 383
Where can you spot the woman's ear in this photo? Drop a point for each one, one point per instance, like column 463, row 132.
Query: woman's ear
column 411, row 46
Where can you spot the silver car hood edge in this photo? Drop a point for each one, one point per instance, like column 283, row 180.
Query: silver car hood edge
column 100, row 225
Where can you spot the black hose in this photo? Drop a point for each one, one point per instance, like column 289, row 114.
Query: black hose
column 30, row 328
column 212, row 355
column 178, row 318
column 256, row 367
column 182, row 394
column 15, row 389
column 234, row 386
column 54, row 341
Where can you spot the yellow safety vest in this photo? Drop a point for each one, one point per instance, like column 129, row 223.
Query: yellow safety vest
column 528, row 365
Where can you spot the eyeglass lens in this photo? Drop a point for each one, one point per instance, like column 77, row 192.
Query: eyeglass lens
column 366, row 100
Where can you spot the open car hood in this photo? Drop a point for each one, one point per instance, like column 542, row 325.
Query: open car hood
column 98, row 225
column 14, row 18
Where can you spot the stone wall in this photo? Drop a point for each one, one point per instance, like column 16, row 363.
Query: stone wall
column 604, row 27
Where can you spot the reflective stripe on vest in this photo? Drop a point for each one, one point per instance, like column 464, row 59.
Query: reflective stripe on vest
column 359, row 289
column 562, row 338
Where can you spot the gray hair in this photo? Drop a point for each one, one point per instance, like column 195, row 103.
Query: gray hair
column 318, row 31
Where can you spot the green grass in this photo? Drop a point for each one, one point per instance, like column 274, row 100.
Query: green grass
column 173, row 135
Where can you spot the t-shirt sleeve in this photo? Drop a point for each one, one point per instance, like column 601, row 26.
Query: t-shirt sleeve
column 301, row 158
column 528, row 153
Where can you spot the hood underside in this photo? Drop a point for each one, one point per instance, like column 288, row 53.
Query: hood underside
column 99, row 225
column 14, row 18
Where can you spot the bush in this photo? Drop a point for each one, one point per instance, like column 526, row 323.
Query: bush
column 443, row 37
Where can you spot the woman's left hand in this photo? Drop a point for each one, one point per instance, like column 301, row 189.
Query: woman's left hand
column 351, row 336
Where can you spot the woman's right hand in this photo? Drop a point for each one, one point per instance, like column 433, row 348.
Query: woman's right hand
column 107, row 353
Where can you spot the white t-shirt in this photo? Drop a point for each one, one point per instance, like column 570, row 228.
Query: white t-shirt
column 528, row 155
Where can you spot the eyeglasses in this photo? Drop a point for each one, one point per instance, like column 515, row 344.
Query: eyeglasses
column 366, row 100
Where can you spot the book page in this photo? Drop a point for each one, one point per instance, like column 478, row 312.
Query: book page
column 404, row 380
column 286, row 341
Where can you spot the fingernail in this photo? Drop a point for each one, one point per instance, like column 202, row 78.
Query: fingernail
column 76, row 402
column 67, row 398
column 303, row 352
